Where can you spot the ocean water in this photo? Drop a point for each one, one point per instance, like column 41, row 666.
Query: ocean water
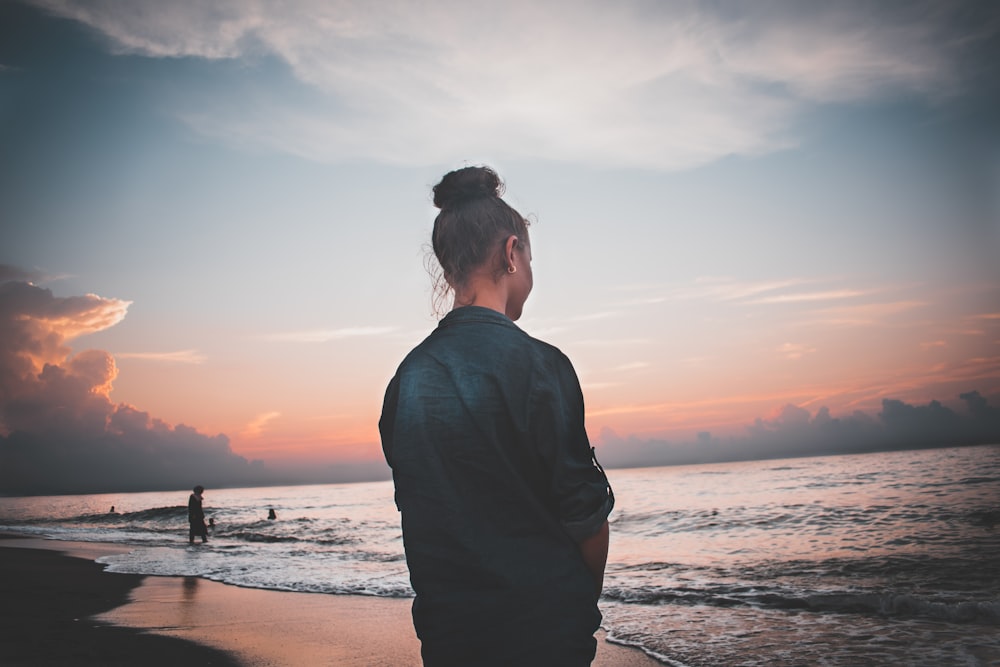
column 876, row 559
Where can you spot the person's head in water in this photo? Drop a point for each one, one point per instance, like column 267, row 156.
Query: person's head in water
column 199, row 489
column 481, row 243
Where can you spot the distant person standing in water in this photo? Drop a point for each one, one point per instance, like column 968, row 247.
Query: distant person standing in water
column 504, row 508
column 196, row 516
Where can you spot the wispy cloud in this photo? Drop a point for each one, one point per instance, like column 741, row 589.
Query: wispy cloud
column 695, row 361
column 633, row 366
column 879, row 309
column 598, row 386
column 177, row 357
column 586, row 81
column 590, row 317
column 327, row 335
column 861, row 314
column 817, row 301
column 614, row 342
column 257, row 424
column 719, row 288
column 800, row 297
column 647, row 301
column 794, row 351
column 547, row 332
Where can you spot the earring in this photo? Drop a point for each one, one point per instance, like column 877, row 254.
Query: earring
column 511, row 269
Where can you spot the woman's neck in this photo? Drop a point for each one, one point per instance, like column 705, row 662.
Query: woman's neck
column 482, row 290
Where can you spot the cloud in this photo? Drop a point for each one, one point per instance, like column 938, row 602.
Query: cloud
column 588, row 81
column 8, row 272
column 865, row 313
column 614, row 342
column 59, row 430
column 327, row 335
column 794, row 351
column 633, row 366
column 718, row 288
column 257, row 424
column 828, row 295
column 648, row 301
column 795, row 431
column 176, row 357
column 819, row 302
column 34, row 326
column 599, row 386
column 601, row 315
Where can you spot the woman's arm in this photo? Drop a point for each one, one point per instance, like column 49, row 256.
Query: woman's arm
column 594, row 550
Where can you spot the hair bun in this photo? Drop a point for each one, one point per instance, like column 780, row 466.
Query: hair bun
column 465, row 184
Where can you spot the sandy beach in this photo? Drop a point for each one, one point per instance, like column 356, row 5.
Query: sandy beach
column 59, row 607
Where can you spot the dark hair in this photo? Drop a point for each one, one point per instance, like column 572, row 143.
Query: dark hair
column 199, row 488
column 472, row 224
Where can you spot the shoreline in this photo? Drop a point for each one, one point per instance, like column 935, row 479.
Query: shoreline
column 48, row 610
column 126, row 619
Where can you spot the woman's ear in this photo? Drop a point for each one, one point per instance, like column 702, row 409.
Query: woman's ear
column 509, row 247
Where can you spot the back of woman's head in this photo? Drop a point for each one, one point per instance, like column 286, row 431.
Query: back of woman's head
column 473, row 224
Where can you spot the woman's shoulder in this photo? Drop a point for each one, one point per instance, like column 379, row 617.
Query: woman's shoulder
column 476, row 334
column 547, row 349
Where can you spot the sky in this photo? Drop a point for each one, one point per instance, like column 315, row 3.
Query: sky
column 758, row 229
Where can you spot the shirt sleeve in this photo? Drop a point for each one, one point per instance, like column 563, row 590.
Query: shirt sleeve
column 580, row 492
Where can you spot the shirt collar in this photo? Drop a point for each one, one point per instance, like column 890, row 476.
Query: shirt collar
column 475, row 314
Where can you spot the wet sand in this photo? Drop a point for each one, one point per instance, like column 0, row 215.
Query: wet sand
column 63, row 609
column 47, row 602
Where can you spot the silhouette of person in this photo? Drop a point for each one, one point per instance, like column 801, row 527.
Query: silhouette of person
column 112, row 510
column 504, row 507
column 271, row 514
column 196, row 516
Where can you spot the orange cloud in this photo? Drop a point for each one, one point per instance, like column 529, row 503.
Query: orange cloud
column 256, row 426
column 35, row 325
column 59, row 430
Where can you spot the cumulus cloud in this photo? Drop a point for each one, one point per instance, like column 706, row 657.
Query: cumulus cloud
column 59, row 430
column 585, row 81
column 35, row 326
column 795, row 431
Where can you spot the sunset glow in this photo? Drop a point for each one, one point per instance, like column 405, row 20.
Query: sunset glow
column 217, row 220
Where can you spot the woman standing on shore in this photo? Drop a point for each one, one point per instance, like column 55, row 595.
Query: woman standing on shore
column 196, row 516
column 504, row 509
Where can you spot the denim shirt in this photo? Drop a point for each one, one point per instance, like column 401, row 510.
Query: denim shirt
column 496, row 483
